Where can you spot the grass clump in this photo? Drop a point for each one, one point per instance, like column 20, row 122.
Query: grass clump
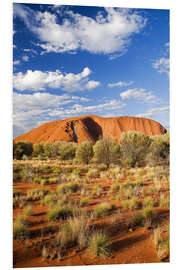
column 19, row 227
column 84, row 202
column 99, row 244
column 115, row 187
column 60, row 212
column 138, row 219
column 93, row 173
column 28, row 210
column 148, row 202
column 16, row 192
column 101, row 210
column 164, row 200
column 67, row 188
column 37, row 193
column 148, row 212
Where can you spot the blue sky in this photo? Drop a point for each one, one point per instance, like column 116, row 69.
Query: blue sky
column 71, row 60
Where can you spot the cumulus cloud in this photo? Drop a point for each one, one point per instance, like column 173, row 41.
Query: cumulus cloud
column 39, row 80
column 139, row 94
column 30, row 111
column 154, row 112
column 25, row 58
column 80, row 109
column 16, row 62
column 109, row 32
column 119, row 84
column 162, row 65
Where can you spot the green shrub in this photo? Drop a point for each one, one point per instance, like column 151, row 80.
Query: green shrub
column 60, row 212
column 138, row 219
column 16, row 192
column 84, row 152
column 93, row 173
column 107, row 151
column 28, row 210
column 134, row 146
column 22, row 148
column 99, row 244
column 69, row 187
column 19, row 227
column 101, row 210
column 148, row 202
column 148, row 212
column 164, row 200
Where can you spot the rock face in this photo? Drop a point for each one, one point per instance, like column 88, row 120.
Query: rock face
column 90, row 127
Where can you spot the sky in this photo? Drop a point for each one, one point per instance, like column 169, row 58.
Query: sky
column 78, row 60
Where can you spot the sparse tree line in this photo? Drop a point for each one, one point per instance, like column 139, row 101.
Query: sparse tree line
column 135, row 149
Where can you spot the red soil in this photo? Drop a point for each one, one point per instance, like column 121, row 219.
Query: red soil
column 128, row 246
column 90, row 127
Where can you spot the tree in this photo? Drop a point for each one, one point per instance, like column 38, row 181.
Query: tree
column 84, row 152
column 159, row 149
column 67, row 150
column 22, row 148
column 134, row 146
column 107, row 151
column 38, row 149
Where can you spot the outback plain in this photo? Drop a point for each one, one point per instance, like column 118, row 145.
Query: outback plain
column 91, row 202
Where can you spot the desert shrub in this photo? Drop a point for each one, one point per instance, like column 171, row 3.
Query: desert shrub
column 16, row 192
column 99, row 244
column 19, row 226
column 22, row 148
column 80, row 230
column 49, row 200
column 148, row 202
column 84, row 152
column 138, row 219
column 164, row 200
column 84, row 202
column 67, row 150
column 60, row 212
column 93, row 173
column 37, row 193
column 48, row 149
column 134, row 146
column 64, row 236
column 107, row 151
column 148, row 212
column 27, row 173
column 69, row 187
column 159, row 149
column 115, row 187
column 37, row 180
column 28, row 210
column 101, row 210
column 97, row 189
column 38, row 149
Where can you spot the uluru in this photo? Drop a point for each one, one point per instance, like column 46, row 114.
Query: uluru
column 90, row 127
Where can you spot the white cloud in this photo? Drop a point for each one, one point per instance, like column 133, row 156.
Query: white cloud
column 16, row 62
column 162, row 65
column 119, row 84
column 139, row 94
column 154, row 112
column 79, row 109
column 25, row 58
column 38, row 80
column 30, row 111
column 111, row 31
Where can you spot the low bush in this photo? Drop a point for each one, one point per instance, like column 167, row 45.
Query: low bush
column 60, row 212
column 19, row 227
column 99, row 244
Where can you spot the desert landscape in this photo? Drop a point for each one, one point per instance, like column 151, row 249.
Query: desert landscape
column 91, row 135
column 84, row 201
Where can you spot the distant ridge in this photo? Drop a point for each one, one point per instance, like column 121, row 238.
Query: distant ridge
column 91, row 128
